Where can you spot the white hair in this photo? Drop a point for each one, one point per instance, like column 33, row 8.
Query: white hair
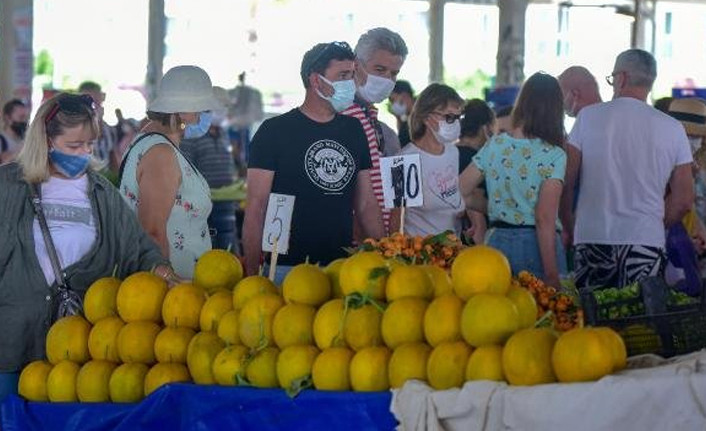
column 380, row 38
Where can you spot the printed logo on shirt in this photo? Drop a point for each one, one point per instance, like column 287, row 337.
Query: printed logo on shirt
column 67, row 213
column 444, row 184
column 329, row 165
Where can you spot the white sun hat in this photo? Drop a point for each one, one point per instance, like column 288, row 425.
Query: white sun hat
column 184, row 89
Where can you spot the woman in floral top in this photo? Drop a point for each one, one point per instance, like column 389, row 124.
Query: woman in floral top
column 170, row 196
column 524, row 174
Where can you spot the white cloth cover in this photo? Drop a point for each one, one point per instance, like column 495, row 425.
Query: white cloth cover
column 652, row 394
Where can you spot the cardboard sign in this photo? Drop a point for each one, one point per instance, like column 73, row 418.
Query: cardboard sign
column 402, row 181
column 278, row 221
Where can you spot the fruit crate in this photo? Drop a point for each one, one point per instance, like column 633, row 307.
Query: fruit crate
column 657, row 325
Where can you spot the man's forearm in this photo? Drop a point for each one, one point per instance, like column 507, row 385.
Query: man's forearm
column 252, row 240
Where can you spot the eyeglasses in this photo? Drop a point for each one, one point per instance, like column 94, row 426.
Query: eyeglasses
column 610, row 79
column 72, row 104
column 449, row 118
column 339, row 45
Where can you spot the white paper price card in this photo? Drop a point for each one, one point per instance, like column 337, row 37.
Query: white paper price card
column 402, row 181
column 278, row 221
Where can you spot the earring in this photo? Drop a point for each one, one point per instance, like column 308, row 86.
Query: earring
column 182, row 125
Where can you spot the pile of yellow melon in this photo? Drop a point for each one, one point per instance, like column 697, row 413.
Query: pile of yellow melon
column 363, row 323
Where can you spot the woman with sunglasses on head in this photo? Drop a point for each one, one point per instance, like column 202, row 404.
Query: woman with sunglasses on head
column 170, row 196
column 52, row 192
column 524, row 175
column 434, row 126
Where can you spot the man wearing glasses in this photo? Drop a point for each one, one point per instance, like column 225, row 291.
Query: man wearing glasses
column 628, row 155
column 322, row 159
column 380, row 54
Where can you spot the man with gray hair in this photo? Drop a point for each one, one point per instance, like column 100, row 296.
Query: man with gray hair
column 380, row 53
column 627, row 154
column 579, row 88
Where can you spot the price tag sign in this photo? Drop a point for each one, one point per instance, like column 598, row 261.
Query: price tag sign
column 278, row 221
column 402, row 181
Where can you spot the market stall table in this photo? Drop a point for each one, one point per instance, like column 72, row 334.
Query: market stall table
column 189, row 407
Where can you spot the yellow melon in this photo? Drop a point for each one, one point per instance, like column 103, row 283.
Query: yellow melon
column 93, row 381
column 229, row 364
column 488, row 318
column 333, row 270
column 295, row 363
column 172, row 344
column 61, row 382
column 366, row 273
column 293, row 325
column 127, row 383
column 446, row 367
column 330, row 369
column 140, row 297
column 99, row 301
column 480, row 269
column 403, row 321
column 361, row 327
column 163, row 373
column 218, row 304
column 408, row 281
column 228, row 327
column 33, row 381
column 250, row 287
column 203, row 349
column 103, row 339
column 182, row 306
column 217, row 269
column 328, row 325
column 68, row 339
column 442, row 320
column 408, row 361
column 261, row 371
column 369, row 369
column 255, row 320
column 136, row 342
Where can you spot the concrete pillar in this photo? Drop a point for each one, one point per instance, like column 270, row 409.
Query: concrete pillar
column 436, row 40
column 511, row 43
column 644, row 27
column 155, row 47
column 16, row 57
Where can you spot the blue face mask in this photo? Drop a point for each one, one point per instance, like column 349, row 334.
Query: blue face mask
column 343, row 93
column 193, row 131
column 69, row 165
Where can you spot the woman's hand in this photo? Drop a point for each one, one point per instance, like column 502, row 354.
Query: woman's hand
column 167, row 273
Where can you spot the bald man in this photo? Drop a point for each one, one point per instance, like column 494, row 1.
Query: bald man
column 580, row 89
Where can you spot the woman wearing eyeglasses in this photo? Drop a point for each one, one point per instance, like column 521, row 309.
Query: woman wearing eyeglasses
column 170, row 196
column 524, row 175
column 88, row 223
column 434, row 126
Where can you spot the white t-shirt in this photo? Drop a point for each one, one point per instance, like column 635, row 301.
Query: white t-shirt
column 71, row 223
column 628, row 152
column 440, row 190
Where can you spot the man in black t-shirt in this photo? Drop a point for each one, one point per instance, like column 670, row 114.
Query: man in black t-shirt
column 321, row 158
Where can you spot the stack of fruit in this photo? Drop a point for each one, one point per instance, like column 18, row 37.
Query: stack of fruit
column 364, row 323
column 565, row 314
column 439, row 250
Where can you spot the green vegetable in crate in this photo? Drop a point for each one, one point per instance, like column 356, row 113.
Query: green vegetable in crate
column 680, row 298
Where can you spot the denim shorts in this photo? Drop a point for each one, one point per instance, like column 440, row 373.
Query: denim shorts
column 521, row 248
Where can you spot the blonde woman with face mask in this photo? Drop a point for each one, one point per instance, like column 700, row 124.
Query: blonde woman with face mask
column 89, row 225
column 434, row 129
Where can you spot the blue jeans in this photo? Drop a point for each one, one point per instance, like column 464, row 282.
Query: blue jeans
column 521, row 248
column 8, row 384
column 280, row 272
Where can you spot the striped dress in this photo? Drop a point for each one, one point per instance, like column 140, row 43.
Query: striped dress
column 369, row 122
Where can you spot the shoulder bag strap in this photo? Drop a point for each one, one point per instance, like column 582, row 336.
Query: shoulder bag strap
column 51, row 250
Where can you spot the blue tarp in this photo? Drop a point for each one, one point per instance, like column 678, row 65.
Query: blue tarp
column 194, row 407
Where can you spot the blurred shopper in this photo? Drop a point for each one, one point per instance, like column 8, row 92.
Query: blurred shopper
column 524, row 174
column 15, row 115
column 245, row 110
column 401, row 102
column 170, row 196
column 503, row 120
column 87, row 223
column 211, row 155
column 107, row 147
column 580, row 89
column 627, row 153
column 380, row 54
column 477, row 127
column 435, row 127
column 322, row 159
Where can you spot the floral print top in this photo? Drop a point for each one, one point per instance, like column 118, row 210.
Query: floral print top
column 187, row 225
column 514, row 170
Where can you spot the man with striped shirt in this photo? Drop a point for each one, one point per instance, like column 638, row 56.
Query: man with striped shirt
column 380, row 54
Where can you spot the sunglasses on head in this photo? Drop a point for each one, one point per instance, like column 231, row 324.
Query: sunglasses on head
column 450, row 118
column 339, row 45
column 72, row 104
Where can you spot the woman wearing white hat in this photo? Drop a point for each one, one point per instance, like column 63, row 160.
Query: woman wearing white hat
column 170, row 196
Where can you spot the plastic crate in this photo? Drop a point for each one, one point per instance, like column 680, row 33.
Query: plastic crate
column 663, row 329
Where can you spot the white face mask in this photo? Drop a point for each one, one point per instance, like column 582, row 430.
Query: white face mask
column 447, row 133
column 376, row 88
column 399, row 109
